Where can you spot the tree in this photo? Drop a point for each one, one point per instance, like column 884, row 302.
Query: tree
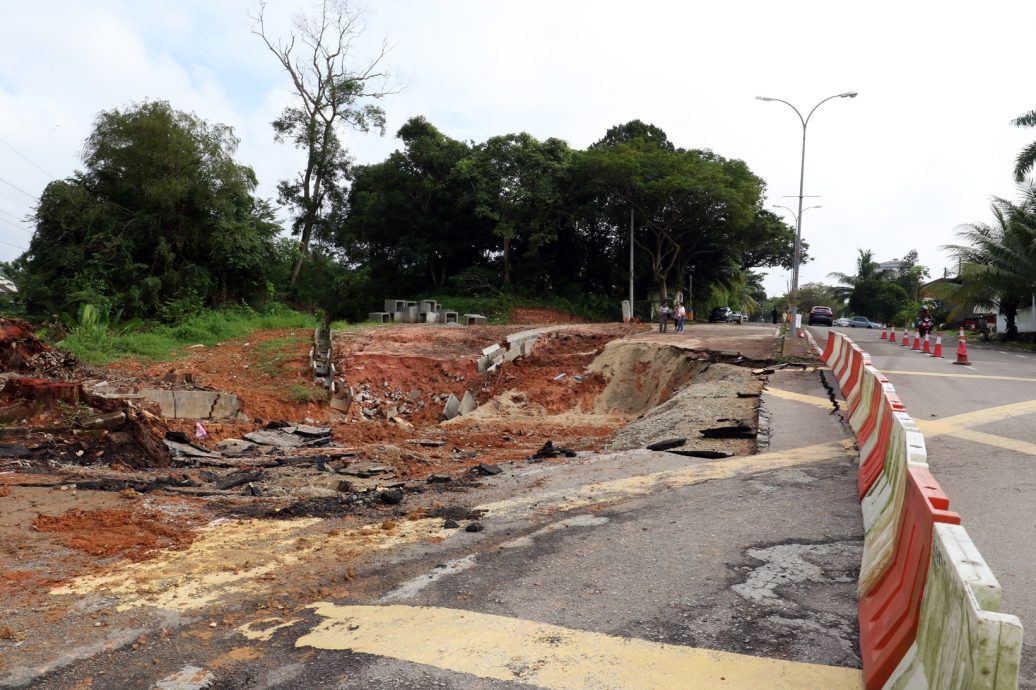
column 411, row 218
column 331, row 93
column 871, row 291
column 1027, row 157
column 161, row 221
column 998, row 261
column 518, row 182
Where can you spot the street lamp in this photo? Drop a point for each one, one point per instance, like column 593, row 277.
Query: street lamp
column 792, row 212
column 793, row 298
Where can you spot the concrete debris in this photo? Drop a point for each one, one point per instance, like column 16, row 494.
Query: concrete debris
column 111, row 421
column 427, row 442
column 467, row 404
column 452, row 408
column 488, row 469
column 474, row 527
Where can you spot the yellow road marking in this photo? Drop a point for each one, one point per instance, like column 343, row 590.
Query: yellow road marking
column 642, row 485
column 959, row 376
column 814, row 400
column 553, row 657
column 989, row 414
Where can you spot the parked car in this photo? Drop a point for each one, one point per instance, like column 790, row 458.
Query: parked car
column 841, row 322
column 720, row 314
column 737, row 317
column 821, row 315
column 862, row 322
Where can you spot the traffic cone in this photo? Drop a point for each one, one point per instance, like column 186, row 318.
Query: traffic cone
column 926, row 349
column 962, row 350
column 884, row 333
column 906, row 338
column 938, row 345
column 917, row 341
column 892, row 334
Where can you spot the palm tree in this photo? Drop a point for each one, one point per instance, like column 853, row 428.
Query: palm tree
column 1027, row 158
column 867, row 269
column 998, row 261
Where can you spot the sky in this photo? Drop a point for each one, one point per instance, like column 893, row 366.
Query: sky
column 923, row 148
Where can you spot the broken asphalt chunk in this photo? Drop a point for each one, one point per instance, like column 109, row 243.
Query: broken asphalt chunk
column 277, row 438
column 427, row 442
column 667, row 444
column 736, row 431
column 749, row 395
column 474, row 527
column 310, row 431
column 488, row 469
column 391, row 496
column 189, row 450
column 235, row 447
column 709, row 454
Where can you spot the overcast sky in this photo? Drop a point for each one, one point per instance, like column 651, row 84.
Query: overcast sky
column 922, row 149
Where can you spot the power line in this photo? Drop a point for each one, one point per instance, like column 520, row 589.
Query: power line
column 11, row 215
column 14, row 186
column 31, row 161
column 16, row 246
column 23, row 229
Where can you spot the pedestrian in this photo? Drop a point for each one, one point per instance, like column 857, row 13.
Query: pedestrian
column 680, row 315
column 773, row 313
column 663, row 317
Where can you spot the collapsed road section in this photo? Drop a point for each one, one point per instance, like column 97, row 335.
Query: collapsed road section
column 286, row 505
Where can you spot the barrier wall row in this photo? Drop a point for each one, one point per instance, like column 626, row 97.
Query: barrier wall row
column 928, row 603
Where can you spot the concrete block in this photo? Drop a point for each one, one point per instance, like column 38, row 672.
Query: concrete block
column 410, row 313
column 467, row 403
column 379, row 316
column 475, row 320
column 491, row 350
column 449, row 316
column 452, row 407
column 202, row 404
column 429, row 305
column 392, row 305
column 482, row 363
column 627, row 311
column 164, row 399
column 226, row 407
column 397, row 316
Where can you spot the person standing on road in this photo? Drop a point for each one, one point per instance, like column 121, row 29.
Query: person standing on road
column 681, row 316
column 663, row 317
column 773, row 314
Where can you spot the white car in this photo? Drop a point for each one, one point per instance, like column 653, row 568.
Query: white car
column 842, row 322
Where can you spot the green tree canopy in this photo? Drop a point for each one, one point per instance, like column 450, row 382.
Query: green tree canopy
column 998, row 259
column 161, row 214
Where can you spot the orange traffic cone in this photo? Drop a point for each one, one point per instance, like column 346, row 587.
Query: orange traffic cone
column 962, row 350
column 892, row 334
column 917, row 341
column 938, row 345
column 926, row 349
column 906, row 338
column 884, row 333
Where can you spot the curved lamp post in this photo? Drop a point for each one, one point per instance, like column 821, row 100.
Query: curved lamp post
column 793, row 298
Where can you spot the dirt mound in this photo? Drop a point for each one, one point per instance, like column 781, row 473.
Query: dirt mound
column 641, row 375
column 135, row 535
column 540, row 315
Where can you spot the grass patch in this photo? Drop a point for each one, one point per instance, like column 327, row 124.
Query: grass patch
column 308, row 394
column 163, row 342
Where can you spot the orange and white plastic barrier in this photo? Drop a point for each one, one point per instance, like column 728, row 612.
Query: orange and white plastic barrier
column 929, row 606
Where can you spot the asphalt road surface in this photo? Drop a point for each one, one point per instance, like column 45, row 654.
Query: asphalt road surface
column 978, row 423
